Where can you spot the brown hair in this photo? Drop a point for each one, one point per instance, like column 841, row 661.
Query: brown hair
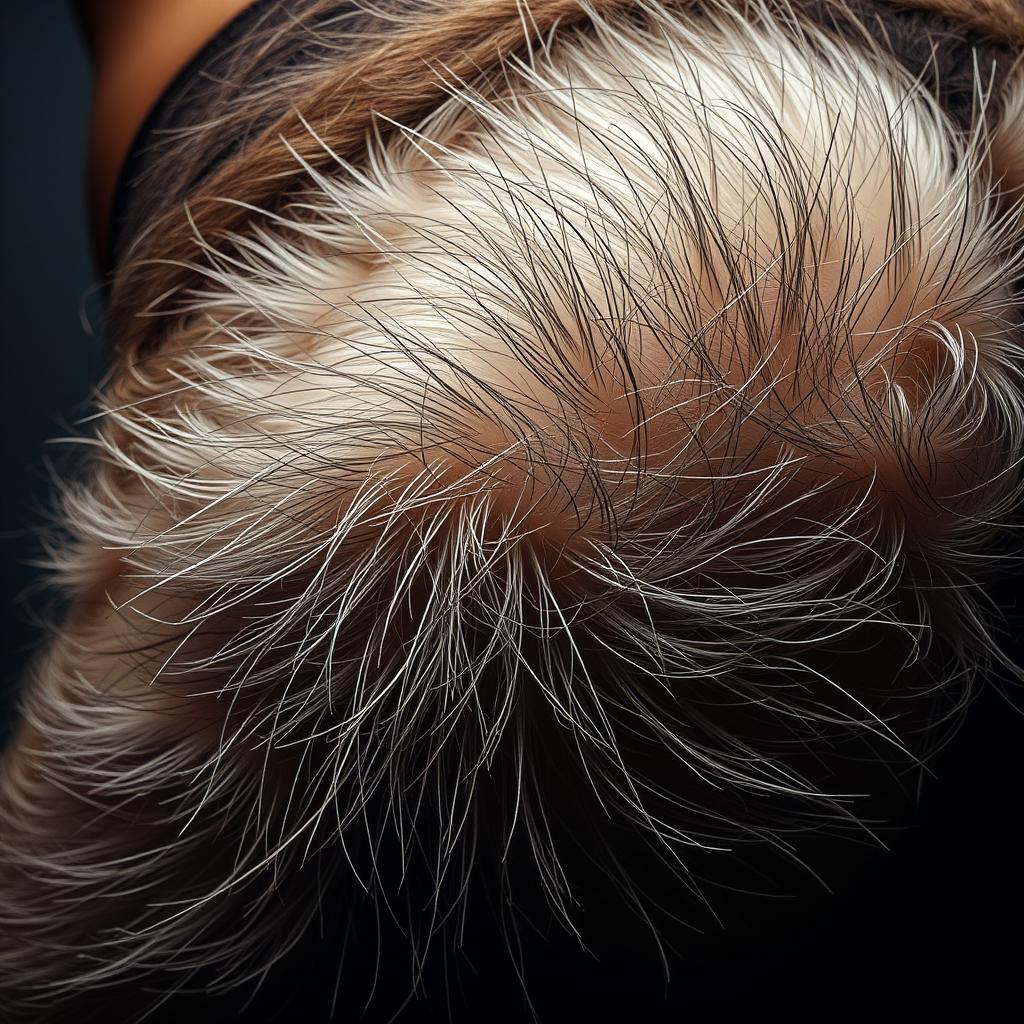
column 400, row 78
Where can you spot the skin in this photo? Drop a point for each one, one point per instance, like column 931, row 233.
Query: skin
column 137, row 47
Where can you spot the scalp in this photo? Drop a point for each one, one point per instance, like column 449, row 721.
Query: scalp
column 593, row 436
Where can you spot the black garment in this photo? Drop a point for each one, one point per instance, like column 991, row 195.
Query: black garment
column 172, row 153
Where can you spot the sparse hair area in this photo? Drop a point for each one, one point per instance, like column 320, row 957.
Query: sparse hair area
column 620, row 444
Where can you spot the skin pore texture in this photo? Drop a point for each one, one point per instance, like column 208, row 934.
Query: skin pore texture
column 568, row 457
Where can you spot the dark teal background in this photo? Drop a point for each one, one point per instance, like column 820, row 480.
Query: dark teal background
column 50, row 361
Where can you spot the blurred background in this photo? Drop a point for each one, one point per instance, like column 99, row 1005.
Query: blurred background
column 933, row 919
column 51, row 362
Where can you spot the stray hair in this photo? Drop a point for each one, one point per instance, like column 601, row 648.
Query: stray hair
column 605, row 452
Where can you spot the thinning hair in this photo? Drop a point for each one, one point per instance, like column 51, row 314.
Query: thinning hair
column 614, row 444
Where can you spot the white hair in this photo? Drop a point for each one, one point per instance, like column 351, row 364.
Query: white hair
column 596, row 432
